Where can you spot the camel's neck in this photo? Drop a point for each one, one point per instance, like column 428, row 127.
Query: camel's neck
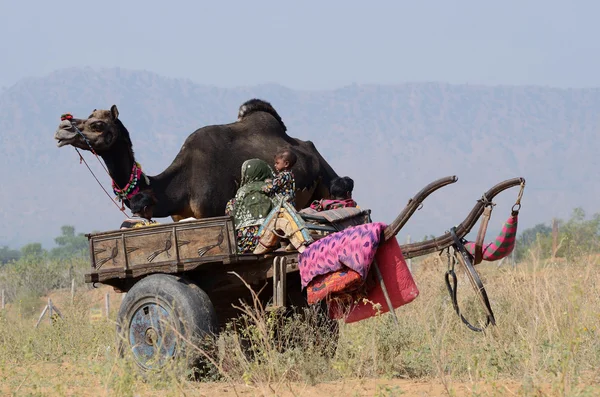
column 119, row 162
column 170, row 199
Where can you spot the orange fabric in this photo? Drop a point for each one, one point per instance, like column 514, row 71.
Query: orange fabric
column 331, row 283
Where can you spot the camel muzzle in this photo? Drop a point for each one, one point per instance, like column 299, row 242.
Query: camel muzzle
column 65, row 134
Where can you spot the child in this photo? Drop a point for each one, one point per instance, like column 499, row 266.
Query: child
column 341, row 195
column 283, row 183
column 142, row 205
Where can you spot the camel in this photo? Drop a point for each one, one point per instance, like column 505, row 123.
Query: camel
column 205, row 173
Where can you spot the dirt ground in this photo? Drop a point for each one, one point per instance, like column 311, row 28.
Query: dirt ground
column 68, row 380
column 92, row 379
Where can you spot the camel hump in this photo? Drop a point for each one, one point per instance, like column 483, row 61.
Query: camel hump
column 258, row 105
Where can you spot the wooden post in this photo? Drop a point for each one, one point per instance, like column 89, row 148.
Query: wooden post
column 56, row 310
column 409, row 259
column 48, row 308
column 72, row 290
column 385, row 292
column 279, row 281
column 41, row 316
column 554, row 237
column 49, row 311
column 107, row 304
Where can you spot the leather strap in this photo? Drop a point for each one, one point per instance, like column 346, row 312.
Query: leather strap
column 464, row 259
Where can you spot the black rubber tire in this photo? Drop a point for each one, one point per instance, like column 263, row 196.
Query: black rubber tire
column 187, row 310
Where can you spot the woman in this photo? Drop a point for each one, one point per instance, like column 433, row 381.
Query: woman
column 251, row 204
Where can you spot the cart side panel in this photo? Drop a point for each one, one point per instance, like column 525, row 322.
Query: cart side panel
column 151, row 247
column 108, row 253
column 168, row 243
column 210, row 240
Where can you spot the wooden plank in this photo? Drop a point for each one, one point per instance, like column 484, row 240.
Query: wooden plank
column 174, row 248
column 108, row 253
column 231, row 236
column 173, row 242
column 208, row 241
column 177, row 256
column 125, row 250
column 92, row 258
column 148, row 248
column 163, row 267
column 162, row 227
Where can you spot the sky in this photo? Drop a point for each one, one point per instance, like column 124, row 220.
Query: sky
column 308, row 45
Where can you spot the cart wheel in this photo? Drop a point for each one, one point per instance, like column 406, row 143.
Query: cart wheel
column 157, row 316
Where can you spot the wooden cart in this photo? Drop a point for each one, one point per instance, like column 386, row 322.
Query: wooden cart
column 180, row 282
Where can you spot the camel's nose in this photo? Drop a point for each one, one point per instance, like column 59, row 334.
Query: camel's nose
column 64, row 131
column 65, row 125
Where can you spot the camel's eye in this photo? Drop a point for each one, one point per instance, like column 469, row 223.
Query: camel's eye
column 97, row 126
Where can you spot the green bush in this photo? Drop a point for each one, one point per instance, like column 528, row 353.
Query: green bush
column 576, row 237
column 35, row 271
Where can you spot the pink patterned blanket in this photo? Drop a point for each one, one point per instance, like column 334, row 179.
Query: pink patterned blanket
column 354, row 247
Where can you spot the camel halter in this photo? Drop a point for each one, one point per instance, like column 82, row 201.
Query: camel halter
column 122, row 193
column 132, row 187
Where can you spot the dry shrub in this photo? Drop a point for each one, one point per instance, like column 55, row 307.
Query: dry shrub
column 547, row 333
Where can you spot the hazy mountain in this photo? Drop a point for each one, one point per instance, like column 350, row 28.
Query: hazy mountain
column 391, row 139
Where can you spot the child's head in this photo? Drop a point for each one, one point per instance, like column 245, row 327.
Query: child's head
column 341, row 188
column 142, row 204
column 284, row 159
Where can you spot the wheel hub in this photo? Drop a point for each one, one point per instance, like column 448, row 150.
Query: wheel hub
column 151, row 335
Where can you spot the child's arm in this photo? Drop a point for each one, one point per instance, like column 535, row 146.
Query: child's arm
column 278, row 183
column 282, row 181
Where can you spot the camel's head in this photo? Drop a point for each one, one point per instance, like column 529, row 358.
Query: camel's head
column 102, row 129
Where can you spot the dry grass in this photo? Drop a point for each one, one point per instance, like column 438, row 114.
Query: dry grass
column 546, row 342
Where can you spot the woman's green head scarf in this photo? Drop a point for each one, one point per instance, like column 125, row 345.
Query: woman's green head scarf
column 252, row 205
column 255, row 170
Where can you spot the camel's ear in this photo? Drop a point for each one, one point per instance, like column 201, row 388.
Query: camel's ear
column 114, row 112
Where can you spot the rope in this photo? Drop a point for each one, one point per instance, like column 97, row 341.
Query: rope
column 94, row 153
column 69, row 117
column 517, row 207
column 520, row 196
column 81, row 159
